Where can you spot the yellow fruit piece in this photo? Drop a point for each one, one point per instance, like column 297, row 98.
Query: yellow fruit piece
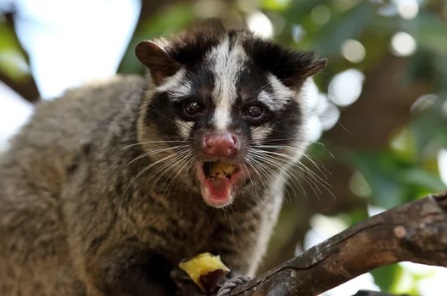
column 201, row 265
column 220, row 169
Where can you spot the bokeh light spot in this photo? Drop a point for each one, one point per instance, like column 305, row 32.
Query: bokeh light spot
column 346, row 87
column 298, row 33
column 353, row 51
column 320, row 14
column 407, row 9
column 403, row 44
column 260, row 24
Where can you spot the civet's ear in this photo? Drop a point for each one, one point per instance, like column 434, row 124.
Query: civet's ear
column 314, row 65
column 160, row 64
column 293, row 67
column 290, row 66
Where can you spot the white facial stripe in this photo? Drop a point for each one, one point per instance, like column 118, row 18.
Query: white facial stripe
column 222, row 115
column 184, row 128
column 283, row 94
column 259, row 133
column 310, row 94
column 268, row 100
column 177, row 86
column 227, row 66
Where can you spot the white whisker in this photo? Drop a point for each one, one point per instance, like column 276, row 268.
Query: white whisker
column 148, row 168
column 169, row 167
column 155, row 151
column 282, row 158
column 154, row 142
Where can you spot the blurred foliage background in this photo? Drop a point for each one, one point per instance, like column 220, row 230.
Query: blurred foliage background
column 388, row 146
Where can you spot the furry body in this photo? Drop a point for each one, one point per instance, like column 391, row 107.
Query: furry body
column 98, row 195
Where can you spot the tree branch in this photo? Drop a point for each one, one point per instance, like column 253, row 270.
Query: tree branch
column 415, row 232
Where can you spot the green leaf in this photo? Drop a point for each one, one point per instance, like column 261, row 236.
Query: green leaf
column 386, row 277
column 422, row 178
column 403, row 144
column 169, row 21
column 380, row 170
column 275, row 5
column 354, row 216
column 394, row 180
column 429, row 126
column 432, row 33
column 173, row 19
column 347, row 25
column 12, row 60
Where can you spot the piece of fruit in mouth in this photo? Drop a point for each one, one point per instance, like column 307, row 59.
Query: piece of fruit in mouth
column 205, row 270
column 217, row 169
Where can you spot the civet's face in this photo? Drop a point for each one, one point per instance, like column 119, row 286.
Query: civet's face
column 229, row 107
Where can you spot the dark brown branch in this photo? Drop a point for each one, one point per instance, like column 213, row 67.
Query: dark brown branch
column 415, row 232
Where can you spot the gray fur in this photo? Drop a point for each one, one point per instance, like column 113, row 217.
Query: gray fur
column 59, row 209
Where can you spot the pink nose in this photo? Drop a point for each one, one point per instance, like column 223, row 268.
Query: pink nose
column 220, row 144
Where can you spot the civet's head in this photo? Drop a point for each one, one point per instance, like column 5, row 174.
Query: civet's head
column 228, row 107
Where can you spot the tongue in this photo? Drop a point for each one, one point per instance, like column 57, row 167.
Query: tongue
column 217, row 192
column 219, row 185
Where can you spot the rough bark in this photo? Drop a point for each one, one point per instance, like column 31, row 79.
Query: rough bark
column 415, row 232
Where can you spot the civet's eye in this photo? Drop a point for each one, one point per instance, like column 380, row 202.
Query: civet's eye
column 192, row 108
column 254, row 111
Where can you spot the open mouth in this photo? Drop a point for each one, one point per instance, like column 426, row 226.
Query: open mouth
column 217, row 180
